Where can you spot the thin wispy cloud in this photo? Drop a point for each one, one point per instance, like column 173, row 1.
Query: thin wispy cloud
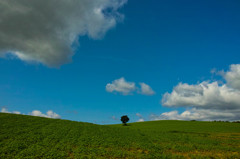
column 72, row 112
column 44, row 31
column 115, row 118
column 141, row 119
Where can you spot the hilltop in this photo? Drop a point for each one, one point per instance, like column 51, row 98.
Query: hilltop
column 35, row 137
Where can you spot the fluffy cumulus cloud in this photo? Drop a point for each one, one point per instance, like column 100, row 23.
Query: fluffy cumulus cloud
column 125, row 87
column 233, row 76
column 146, row 89
column 207, row 100
column 49, row 114
column 43, row 31
column 204, row 95
column 122, row 86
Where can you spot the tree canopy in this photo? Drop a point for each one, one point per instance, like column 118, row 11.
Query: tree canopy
column 124, row 119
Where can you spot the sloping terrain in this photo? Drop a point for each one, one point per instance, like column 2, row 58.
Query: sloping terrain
column 23, row 136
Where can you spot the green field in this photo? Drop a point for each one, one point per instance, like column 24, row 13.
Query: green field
column 24, row 136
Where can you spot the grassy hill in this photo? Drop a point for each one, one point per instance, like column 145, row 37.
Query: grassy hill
column 24, row 136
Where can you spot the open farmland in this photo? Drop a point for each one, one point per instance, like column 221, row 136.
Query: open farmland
column 24, row 136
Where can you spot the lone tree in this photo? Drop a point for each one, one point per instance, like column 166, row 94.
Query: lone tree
column 124, row 120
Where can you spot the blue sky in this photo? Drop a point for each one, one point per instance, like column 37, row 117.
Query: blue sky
column 160, row 43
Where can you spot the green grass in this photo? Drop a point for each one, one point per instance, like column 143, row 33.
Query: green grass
column 24, row 136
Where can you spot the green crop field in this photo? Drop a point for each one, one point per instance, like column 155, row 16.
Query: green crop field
column 24, row 136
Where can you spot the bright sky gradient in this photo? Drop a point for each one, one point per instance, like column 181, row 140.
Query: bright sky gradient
column 153, row 44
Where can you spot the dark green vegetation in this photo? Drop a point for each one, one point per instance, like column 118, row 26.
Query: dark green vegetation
column 34, row 137
column 124, row 120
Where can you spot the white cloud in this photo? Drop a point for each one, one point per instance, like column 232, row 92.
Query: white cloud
column 233, row 76
column 207, row 100
column 121, row 86
column 4, row 110
column 16, row 112
column 50, row 114
column 43, row 31
column 124, row 87
column 141, row 119
column 199, row 114
column 204, row 95
column 146, row 89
